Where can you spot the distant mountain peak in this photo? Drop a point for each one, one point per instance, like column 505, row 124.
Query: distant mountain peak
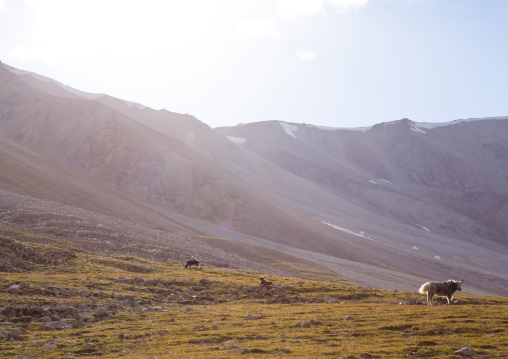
column 405, row 124
column 43, row 81
column 355, row 201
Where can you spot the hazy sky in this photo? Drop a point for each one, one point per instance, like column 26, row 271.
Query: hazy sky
column 339, row 63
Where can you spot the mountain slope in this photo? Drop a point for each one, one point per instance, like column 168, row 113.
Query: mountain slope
column 389, row 206
column 445, row 167
column 121, row 154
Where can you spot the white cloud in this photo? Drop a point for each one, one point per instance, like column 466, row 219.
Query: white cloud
column 257, row 28
column 306, row 55
column 345, row 5
column 20, row 53
column 119, row 33
column 2, row 4
column 289, row 9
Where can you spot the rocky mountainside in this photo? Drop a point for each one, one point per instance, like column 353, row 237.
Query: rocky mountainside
column 460, row 167
column 387, row 206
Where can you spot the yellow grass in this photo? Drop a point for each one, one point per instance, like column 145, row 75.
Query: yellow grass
column 363, row 323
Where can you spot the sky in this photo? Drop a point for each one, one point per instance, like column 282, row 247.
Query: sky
column 336, row 63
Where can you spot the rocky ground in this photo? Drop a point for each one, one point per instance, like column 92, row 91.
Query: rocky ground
column 27, row 219
column 222, row 312
column 93, row 302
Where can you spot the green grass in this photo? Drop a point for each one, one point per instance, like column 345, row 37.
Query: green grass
column 360, row 323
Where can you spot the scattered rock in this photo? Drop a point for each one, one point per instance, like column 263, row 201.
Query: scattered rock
column 100, row 312
column 328, row 299
column 242, row 350
column 11, row 334
column 274, row 292
column 49, row 346
column 55, row 325
column 256, row 351
column 233, row 342
column 60, row 256
column 466, row 351
column 14, row 289
column 23, row 319
column 205, row 281
column 86, row 316
column 305, row 324
column 199, row 328
column 349, row 317
column 74, row 323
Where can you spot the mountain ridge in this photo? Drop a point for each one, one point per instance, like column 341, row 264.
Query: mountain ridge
column 346, row 197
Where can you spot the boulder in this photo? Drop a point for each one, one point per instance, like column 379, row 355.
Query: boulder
column 49, row 346
column 74, row 323
column 23, row 319
column 54, row 325
column 14, row 289
column 100, row 312
column 11, row 334
column 466, row 351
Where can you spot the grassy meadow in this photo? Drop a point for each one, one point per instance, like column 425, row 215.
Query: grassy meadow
column 156, row 310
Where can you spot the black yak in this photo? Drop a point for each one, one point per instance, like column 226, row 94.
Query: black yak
column 441, row 289
column 192, row 262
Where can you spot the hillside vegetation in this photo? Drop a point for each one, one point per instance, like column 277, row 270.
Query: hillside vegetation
column 389, row 206
column 67, row 304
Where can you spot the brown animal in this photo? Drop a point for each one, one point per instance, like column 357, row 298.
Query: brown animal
column 192, row 262
column 441, row 289
column 262, row 281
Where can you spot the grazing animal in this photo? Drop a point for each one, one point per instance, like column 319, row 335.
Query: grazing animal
column 192, row 262
column 263, row 281
column 441, row 289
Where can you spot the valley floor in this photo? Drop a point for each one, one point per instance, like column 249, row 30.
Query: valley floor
column 123, row 306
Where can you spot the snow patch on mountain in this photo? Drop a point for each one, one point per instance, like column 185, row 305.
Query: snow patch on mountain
column 237, row 140
column 431, row 125
column 380, row 180
column 422, row 227
column 325, row 128
column 416, row 128
column 345, row 230
column 135, row 105
column 289, row 128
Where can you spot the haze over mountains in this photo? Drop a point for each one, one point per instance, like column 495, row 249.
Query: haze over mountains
column 387, row 206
